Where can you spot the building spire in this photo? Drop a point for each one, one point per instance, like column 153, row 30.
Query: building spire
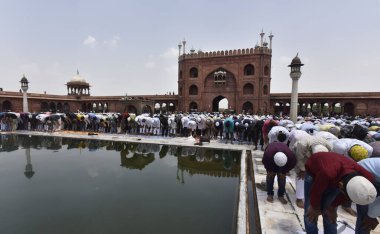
column 77, row 71
column 262, row 37
column 179, row 49
column 184, row 46
column 270, row 40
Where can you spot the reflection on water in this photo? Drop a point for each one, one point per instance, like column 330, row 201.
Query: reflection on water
column 64, row 185
column 204, row 161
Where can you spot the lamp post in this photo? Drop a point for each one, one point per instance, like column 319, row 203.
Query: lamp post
column 295, row 74
column 24, row 87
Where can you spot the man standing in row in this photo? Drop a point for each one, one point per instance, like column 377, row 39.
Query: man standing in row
column 278, row 160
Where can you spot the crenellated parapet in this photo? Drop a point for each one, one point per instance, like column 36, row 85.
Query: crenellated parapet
column 225, row 53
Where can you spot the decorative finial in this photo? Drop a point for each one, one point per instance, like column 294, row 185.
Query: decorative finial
column 270, row 40
column 184, row 46
column 179, row 49
column 262, row 37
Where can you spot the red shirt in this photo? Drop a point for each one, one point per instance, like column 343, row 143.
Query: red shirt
column 267, row 124
column 327, row 169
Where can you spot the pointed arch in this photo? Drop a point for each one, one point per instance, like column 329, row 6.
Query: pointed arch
column 266, row 70
column 265, row 90
column 249, row 70
column 193, row 107
column 193, row 90
column 247, row 107
column 7, row 105
column 193, row 72
column 248, row 89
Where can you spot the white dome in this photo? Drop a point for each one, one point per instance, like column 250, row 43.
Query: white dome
column 78, row 79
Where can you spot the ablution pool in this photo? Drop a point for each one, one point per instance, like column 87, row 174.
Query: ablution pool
column 65, row 185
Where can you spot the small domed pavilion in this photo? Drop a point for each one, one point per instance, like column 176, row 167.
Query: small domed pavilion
column 78, row 86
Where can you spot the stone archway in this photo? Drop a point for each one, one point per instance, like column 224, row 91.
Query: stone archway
column 52, row 107
column 44, row 106
column 147, row 109
column 349, row 109
column 247, row 107
column 219, row 84
column 193, row 107
column 132, row 109
column 216, row 102
column 7, row 106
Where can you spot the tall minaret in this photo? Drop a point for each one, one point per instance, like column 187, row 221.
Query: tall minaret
column 270, row 40
column 262, row 37
column 184, row 46
column 179, row 49
column 295, row 74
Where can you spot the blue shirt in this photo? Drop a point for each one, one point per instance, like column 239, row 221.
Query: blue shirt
column 373, row 166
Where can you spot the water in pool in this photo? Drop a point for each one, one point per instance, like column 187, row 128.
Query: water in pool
column 64, row 185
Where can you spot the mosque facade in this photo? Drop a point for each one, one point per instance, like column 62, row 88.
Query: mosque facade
column 241, row 76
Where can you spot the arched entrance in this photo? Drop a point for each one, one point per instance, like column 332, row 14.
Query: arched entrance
column 147, row 109
column 7, row 106
column 218, row 85
column 248, row 108
column 219, row 103
column 44, row 106
column 53, row 107
column 349, row 109
column 193, row 107
column 131, row 109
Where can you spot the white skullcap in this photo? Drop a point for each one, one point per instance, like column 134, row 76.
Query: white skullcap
column 361, row 191
column 280, row 159
column 246, row 125
column 217, row 124
column 318, row 148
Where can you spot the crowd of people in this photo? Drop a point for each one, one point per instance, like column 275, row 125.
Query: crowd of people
column 336, row 159
column 337, row 163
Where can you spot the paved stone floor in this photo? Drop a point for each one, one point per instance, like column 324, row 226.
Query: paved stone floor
column 274, row 217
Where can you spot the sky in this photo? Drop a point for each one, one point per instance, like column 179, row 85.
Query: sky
column 131, row 46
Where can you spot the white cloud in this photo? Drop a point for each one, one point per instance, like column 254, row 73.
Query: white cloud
column 90, row 41
column 150, row 65
column 114, row 42
column 170, row 53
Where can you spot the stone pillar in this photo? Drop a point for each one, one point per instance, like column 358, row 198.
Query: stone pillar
column 295, row 74
column 25, row 102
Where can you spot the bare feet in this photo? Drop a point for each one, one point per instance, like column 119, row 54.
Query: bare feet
column 283, row 200
column 299, row 203
column 350, row 211
column 270, row 198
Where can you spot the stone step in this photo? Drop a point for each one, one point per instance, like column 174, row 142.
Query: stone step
column 261, row 169
column 258, row 161
column 257, row 153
